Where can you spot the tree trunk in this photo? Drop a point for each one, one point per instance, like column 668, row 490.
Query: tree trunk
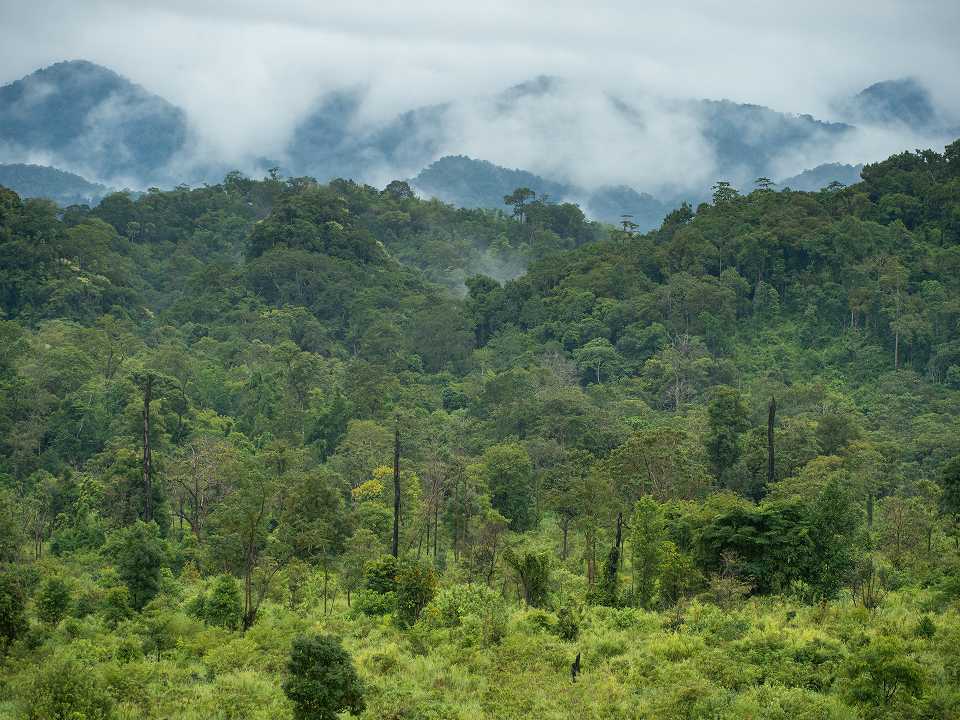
column 619, row 541
column 147, row 480
column 396, row 490
column 771, row 418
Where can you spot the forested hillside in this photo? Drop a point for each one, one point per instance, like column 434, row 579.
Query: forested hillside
column 509, row 464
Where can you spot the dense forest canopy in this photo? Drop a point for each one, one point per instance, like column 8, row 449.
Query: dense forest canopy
column 712, row 470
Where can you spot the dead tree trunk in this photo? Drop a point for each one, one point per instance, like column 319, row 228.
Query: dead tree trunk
column 147, row 470
column 396, row 490
column 771, row 418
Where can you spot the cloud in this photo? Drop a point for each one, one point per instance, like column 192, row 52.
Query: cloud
column 247, row 72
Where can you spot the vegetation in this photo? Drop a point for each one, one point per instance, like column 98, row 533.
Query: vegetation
column 708, row 471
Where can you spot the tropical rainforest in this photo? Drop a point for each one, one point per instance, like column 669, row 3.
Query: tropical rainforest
column 281, row 449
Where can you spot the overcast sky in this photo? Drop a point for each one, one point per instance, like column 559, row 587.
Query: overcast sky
column 246, row 70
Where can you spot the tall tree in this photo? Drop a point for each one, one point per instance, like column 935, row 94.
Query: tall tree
column 395, row 546
column 771, row 419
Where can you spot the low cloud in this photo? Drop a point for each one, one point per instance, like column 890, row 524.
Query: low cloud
column 247, row 73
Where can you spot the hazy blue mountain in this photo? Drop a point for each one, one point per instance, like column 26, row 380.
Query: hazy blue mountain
column 39, row 181
column 612, row 202
column 822, row 175
column 747, row 139
column 88, row 119
column 903, row 101
column 466, row 182
column 331, row 142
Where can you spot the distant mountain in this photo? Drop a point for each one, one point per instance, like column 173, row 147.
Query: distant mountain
column 574, row 142
column 819, row 177
column 748, row 139
column 38, row 181
column 905, row 102
column 88, row 119
column 744, row 141
column 466, row 182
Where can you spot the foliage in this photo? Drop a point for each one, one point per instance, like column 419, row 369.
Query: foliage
column 53, row 600
column 321, row 681
column 584, row 428
column 139, row 555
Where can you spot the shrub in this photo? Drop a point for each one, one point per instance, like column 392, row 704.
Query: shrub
column 13, row 619
column 116, row 605
column 138, row 553
column 63, row 688
column 223, row 605
column 567, row 627
column 321, row 680
column 380, row 575
column 369, row 602
column 477, row 610
column 53, row 600
column 416, row 584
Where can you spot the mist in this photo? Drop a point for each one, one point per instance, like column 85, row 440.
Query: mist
column 248, row 76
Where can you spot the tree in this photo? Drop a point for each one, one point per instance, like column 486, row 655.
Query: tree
column 563, row 487
column 53, row 600
column 597, row 355
column 395, row 544
column 416, row 584
column 518, row 199
column 13, row 618
column 321, row 681
column 138, row 554
column 11, row 528
column 679, row 576
column 882, row 672
column 647, row 534
column 64, row 688
column 950, row 497
column 40, row 508
column 223, row 605
column 727, row 420
column 508, row 473
column 361, row 549
column 151, row 384
column 724, row 193
column 771, row 419
column 239, row 533
column 532, row 572
column 399, row 190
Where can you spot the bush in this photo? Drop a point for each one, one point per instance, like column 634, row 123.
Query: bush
column 321, row 680
column 883, row 672
column 138, row 553
column 479, row 611
column 116, row 605
column 567, row 627
column 223, row 606
column 370, row 602
column 13, row 619
column 53, row 600
column 380, row 575
column 63, row 688
column 416, row 584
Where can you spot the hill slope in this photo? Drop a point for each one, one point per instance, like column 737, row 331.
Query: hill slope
column 85, row 118
column 37, row 181
column 713, row 468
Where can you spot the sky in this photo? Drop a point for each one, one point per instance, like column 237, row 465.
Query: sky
column 246, row 71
